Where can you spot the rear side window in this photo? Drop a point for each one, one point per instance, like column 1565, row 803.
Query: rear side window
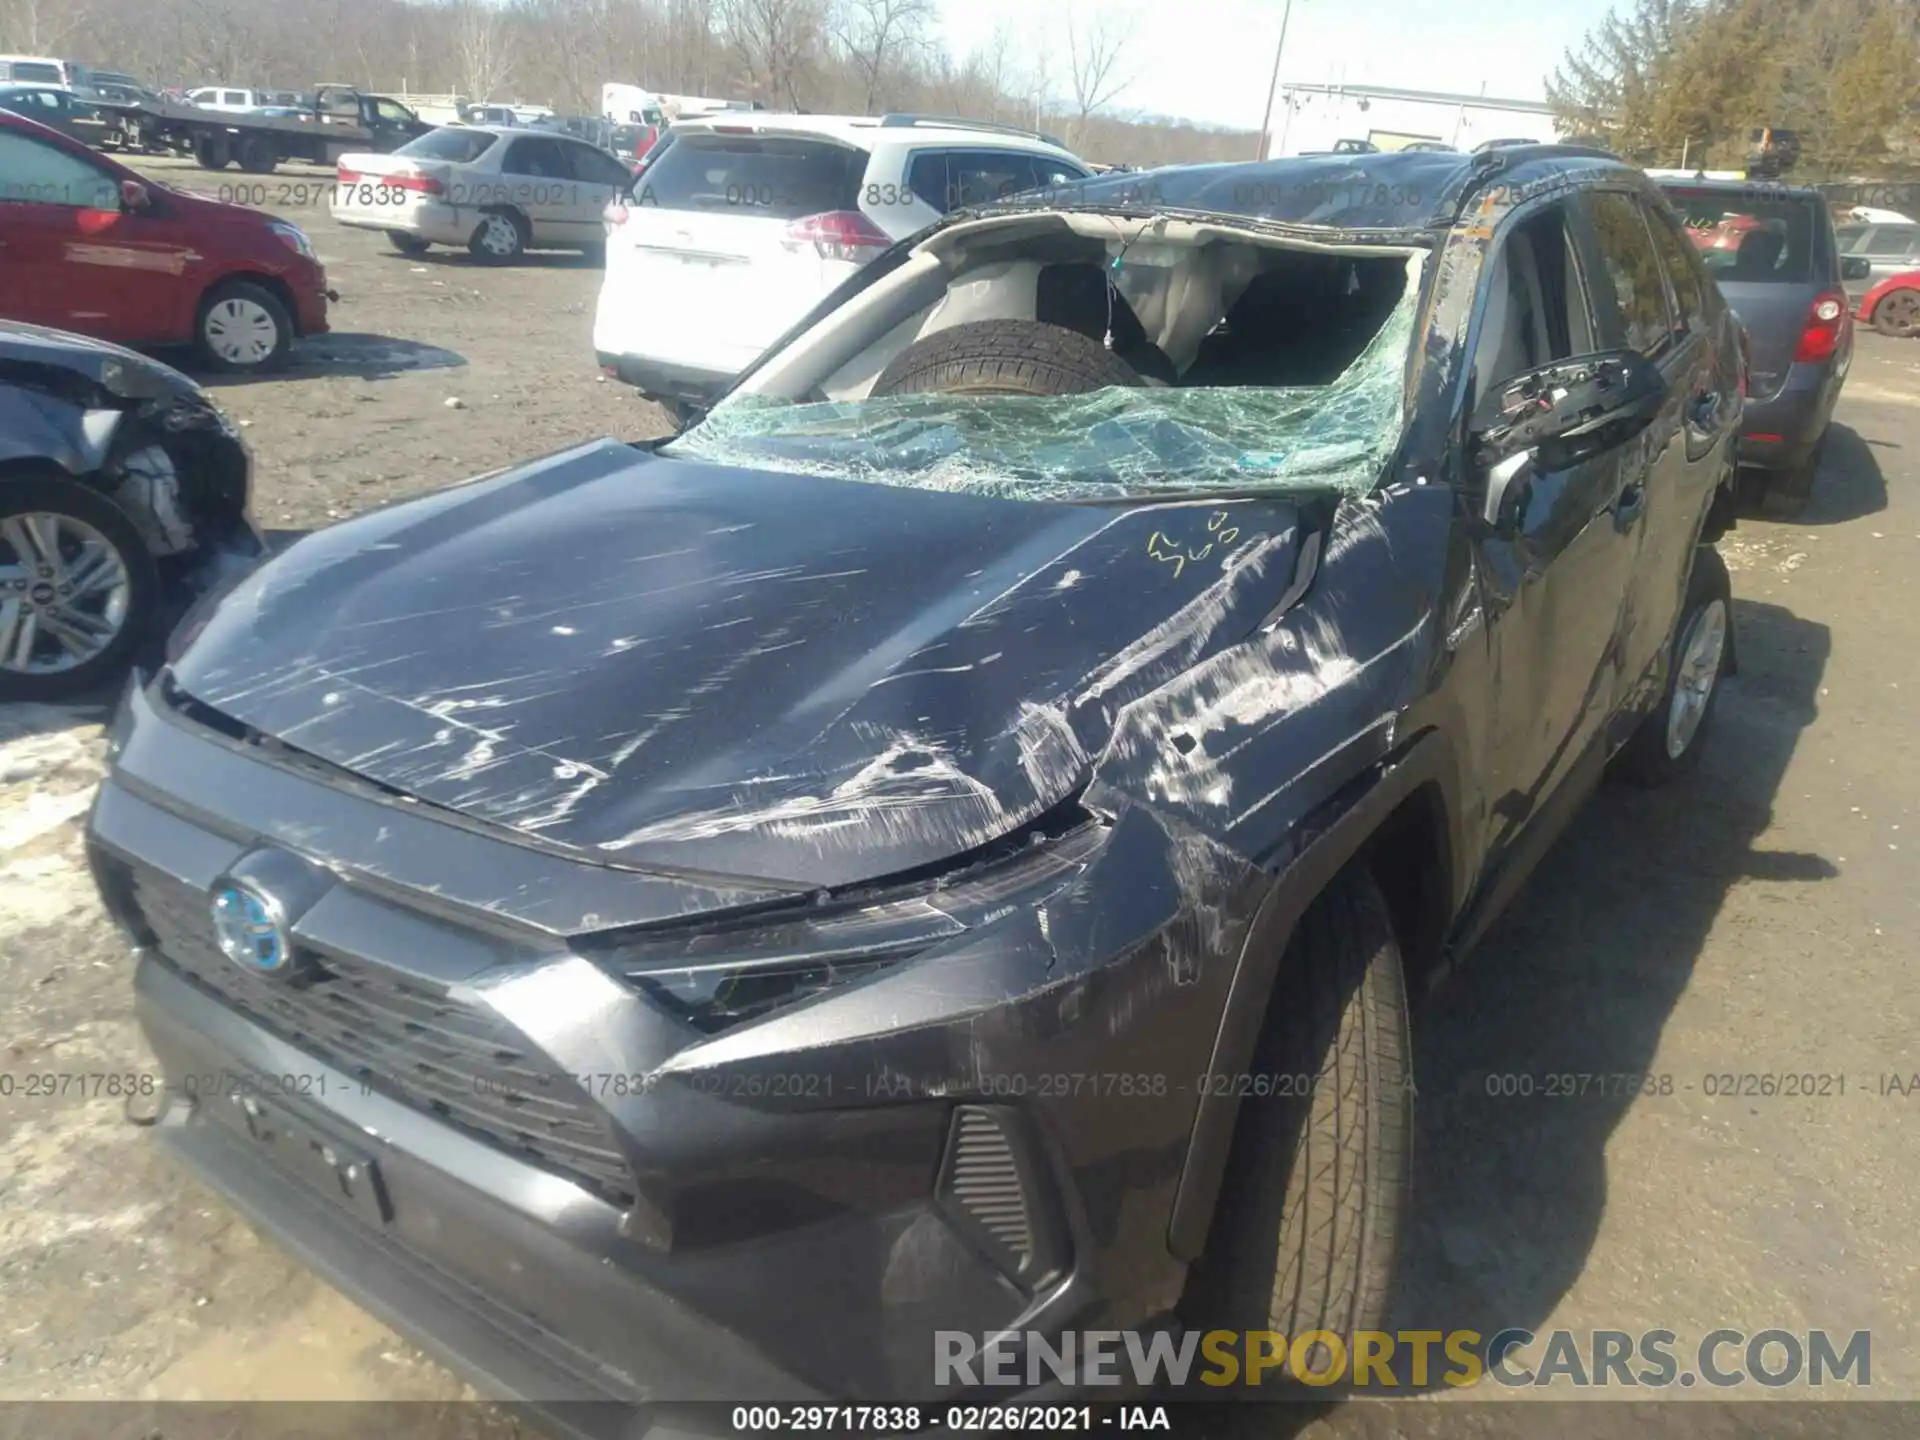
column 1686, row 273
column 455, row 145
column 1626, row 249
column 38, row 74
column 953, row 179
column 1897, row 242
column 781, row 177
column 1749, row 238
column 540, row 158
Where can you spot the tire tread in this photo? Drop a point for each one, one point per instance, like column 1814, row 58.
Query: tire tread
column 1010, row 356
column 1309, row 1233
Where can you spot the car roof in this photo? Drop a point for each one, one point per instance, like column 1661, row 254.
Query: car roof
column 868, row 131
column 503, row 132
column 1394, row 193
column 1757, row 189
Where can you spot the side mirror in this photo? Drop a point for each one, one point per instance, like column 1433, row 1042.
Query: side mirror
column 1855, row 267
column 1555, row 416
column 135, row 198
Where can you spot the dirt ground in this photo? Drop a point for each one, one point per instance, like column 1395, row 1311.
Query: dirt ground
column 1757, row 919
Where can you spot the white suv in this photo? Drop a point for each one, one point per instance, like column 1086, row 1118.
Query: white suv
column 738, row 225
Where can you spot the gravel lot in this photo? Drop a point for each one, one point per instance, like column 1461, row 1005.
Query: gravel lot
column 1759, row 919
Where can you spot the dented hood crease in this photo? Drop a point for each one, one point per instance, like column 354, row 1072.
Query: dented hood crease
column 677, row 664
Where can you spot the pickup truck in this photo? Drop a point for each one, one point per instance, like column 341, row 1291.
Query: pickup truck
column 340, row 120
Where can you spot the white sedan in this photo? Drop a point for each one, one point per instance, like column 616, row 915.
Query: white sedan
column 494, row 190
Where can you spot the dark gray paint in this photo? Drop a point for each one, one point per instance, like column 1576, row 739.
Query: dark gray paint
column 1233, row 734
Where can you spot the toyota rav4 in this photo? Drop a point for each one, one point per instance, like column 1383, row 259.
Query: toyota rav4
column 947, row 842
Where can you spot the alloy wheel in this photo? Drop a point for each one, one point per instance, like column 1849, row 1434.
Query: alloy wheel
column 1697, row 670
column 64, row 592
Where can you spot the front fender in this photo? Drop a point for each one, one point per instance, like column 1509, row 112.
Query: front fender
column 35, row 426
column 1329, row 843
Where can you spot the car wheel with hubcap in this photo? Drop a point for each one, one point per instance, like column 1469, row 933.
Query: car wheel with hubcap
column 498, row 238
column 243, row 328
column 77, row 586
column 1671, row 736
column 1315, row 1198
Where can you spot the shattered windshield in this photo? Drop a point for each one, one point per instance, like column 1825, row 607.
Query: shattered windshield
column 1116, row 441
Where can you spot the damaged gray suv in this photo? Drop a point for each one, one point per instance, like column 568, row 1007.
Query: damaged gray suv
column 945, row 842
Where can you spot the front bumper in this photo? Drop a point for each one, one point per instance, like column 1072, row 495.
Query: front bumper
column 794, row 1227
column 311, row 301
column 554, row 1258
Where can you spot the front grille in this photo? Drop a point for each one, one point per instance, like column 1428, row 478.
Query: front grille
column 404, row 1037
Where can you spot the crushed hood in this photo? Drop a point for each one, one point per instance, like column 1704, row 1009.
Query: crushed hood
column 674, row 665
column 28, row 352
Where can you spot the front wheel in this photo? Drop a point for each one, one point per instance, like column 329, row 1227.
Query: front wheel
column 408, row 244
column 1669, row 740
column 1307, row 1235
column 77, row 589
column 243, row 329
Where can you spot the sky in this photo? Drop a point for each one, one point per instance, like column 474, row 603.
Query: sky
column 1211, row 60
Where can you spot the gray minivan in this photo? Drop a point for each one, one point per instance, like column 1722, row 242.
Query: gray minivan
column 1772, row 250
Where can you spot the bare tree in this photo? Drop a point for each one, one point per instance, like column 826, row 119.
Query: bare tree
column 483, row 49
column 993, row 62
column 1039, row 80
column 1095, row 50
column 878, row 35
column 785, row 52
column 39, row 27
column 776, row 41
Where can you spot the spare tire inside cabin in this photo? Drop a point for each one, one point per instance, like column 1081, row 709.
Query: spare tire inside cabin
column 1004, row 357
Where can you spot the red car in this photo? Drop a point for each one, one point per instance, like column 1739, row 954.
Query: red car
column 87, row 245
column 1723, row 234
column 1893, row 306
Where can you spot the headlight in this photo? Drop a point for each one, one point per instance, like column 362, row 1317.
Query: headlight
column 295, row 237
column 729, row 975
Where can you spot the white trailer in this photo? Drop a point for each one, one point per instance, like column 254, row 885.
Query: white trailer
column 1317, row 117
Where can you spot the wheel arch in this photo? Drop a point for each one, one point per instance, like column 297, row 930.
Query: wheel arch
column 512, row 212
column 1399, row 821
column 50, row 427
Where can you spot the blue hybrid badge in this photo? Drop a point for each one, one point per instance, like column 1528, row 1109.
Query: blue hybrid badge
column 250, row 931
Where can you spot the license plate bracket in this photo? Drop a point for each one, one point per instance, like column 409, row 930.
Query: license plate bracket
column 339, row 1169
